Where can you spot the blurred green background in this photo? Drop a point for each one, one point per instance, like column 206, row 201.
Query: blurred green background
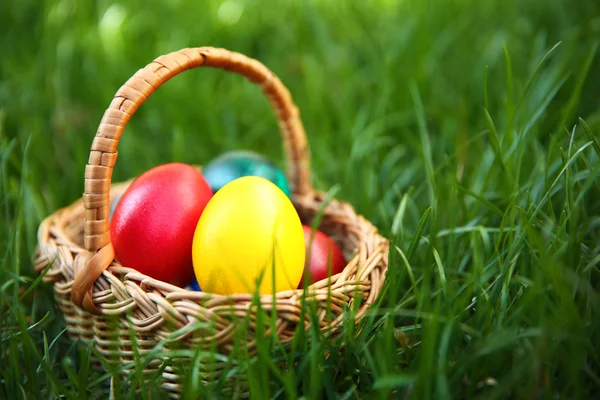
column 449, row 124
column 348, row 64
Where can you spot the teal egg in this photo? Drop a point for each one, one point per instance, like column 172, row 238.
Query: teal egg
column 236, row 164
column 113, row 205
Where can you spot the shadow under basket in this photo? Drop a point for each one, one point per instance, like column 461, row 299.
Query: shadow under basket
column 126, row 314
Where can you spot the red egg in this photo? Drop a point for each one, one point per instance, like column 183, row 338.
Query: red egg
column 153, row 225
column 325, row 256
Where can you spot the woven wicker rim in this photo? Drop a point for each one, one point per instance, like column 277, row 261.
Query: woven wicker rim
column 129, row 97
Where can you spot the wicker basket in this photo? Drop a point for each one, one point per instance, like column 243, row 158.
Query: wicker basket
column 93, row 290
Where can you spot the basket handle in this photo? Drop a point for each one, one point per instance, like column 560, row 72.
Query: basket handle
column 129, row 97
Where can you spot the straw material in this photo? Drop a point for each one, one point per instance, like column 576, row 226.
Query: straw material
column 108, row 303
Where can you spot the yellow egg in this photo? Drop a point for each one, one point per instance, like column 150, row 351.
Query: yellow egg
column 248, row 231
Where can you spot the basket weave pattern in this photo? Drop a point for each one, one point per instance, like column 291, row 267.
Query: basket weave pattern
column 92, row 288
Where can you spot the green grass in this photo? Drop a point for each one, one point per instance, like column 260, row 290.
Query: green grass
column 467, row 131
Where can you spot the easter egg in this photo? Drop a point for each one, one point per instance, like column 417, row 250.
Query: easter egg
column 324, row 257
column 194, row 286
column 153, row 225
column 236, row 164
column 113, row 205
column 248, row 238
